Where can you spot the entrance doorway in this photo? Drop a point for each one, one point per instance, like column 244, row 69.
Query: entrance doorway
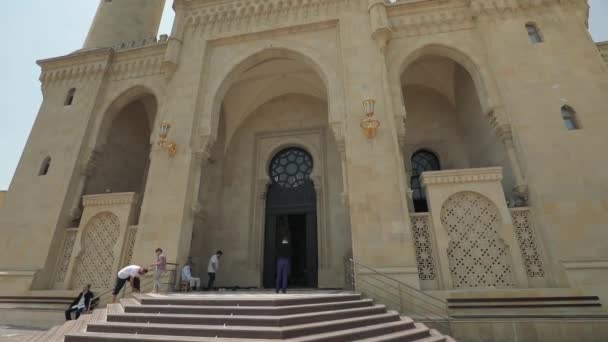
column 291, row 213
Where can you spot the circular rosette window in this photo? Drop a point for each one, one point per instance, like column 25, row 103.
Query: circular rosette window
column 291, row 168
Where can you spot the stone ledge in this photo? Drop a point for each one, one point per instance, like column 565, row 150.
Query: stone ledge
column 489, row 174
column 110, row 199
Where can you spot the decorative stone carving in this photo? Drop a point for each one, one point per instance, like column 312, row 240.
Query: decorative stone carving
column 526, row 238
column 130, row 245
column 66, row 254
column 488, row 174
column 113, row 199
column 95, row 264
column 424, row 246
column 477, row 256
column 381, row 31
column 89, row 164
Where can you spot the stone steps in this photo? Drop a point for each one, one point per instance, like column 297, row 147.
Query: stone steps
column 247, row 310
column 526, row 307
column 252, row 317
column 244, row 320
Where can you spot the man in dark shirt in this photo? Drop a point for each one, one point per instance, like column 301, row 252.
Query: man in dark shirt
column 81, row 304
column 283, row 264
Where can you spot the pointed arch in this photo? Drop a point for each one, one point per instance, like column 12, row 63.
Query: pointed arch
column 249, row 59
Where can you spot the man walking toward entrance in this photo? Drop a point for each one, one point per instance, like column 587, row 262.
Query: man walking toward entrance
column 214, row 264
column 161, row 267
column 283, row 264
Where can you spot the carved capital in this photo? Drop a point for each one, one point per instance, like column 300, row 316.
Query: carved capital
column 381, row 30
column 89, row 163
column 344, row 198
column 202, row 152
column 75, row 213
column 198, row 212
column 521, row 194
column 400, row 128
column 500, row 125
column 261, row 188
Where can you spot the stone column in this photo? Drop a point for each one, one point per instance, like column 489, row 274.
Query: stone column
column 256, row 236
column 502, row 129
column 380, row 223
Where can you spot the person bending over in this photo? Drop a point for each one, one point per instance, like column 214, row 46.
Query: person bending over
column 131, row 274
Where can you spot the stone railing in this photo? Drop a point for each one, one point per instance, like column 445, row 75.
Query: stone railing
column 421, row 229
column 129, row 245
column 526, row 237
column 63, row 261
column 141, row 43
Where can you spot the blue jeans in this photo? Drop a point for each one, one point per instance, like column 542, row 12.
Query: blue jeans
column 283, row 266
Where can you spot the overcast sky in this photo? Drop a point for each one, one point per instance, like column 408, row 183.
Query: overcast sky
column 37, row 29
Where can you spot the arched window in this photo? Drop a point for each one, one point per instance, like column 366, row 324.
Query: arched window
column 569, row 117
column 44, row 168
column 70, row 97
column 534, row 33
column 422, row 160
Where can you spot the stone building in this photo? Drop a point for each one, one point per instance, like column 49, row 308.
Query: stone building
column 477, row 167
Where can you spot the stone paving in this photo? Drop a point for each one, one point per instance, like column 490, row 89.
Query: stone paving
column 17, row 334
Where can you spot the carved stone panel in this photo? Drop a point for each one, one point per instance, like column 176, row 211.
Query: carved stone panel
column 95, row 264
column 477, row 256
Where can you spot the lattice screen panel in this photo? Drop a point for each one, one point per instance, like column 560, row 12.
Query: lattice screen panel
column 66, row 254
column 476, row 255
column 132, row 233
column 424, row 247
column 95, row 263
column 527, row 243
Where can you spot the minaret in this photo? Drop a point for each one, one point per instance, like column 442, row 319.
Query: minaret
column 118, row 21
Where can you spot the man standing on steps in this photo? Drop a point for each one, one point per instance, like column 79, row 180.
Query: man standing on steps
column 161, row 267
column 214, row 264
column 130, row 273
column 283, row 264
column 81, row 304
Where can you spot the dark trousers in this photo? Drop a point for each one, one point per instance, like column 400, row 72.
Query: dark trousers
column 283, row 266
column 68, row 313
column 211, row 281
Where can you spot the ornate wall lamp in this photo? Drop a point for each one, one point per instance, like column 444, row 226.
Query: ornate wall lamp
column 162, row 139
column 369, row 124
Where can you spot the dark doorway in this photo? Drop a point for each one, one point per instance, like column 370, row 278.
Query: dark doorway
column 291, row 213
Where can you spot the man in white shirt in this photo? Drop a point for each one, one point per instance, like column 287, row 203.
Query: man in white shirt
column 187, row 276
column 214, row 265
column 130, row 273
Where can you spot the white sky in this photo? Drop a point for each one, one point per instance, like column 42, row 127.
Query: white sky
column 37, row 29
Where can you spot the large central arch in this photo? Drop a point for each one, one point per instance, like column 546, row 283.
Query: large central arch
column 221, row 81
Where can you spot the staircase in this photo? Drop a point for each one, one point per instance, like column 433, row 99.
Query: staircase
column 311, row 316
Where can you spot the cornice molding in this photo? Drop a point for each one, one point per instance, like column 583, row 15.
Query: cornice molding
column 221, row 17
column 415, row 18
column 420, row 17
column 76, row 67
column 512, row 8
column 137, row 63
column 112, row 199
column 489, row 174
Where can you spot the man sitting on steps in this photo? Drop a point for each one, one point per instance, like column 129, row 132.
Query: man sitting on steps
column 81, row 304
column 187, row 276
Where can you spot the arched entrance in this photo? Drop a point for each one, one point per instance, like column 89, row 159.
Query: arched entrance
column 291, row 212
